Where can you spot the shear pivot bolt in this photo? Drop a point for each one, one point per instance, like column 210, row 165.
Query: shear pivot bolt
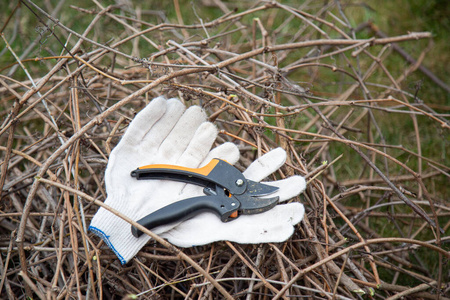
column 239, row 182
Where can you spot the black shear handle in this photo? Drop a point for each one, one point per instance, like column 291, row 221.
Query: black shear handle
column 216, row 172
column 182, row 210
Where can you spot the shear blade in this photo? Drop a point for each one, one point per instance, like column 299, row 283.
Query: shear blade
column 251, row 203
column 255, row 205
column 259, row 189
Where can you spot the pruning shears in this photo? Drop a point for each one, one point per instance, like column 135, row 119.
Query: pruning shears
column 227, row 193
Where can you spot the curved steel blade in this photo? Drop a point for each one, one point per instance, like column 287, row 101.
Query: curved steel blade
column 255, row 205
column 250, row 201
column 259, row 189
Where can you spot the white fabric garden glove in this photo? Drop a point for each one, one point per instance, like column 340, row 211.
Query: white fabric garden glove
column 164, row 133
column 275, row 225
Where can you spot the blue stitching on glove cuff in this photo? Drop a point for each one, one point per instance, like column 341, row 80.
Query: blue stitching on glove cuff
column 104, row 237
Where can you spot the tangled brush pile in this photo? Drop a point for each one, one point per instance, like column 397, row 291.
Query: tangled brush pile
column 269, row 75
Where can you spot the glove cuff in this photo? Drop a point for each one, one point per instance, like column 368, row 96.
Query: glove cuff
column 98, row 232
column 116, row 233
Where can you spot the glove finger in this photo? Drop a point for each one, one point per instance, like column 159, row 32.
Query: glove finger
column 195, row 153
column 288, row 188
column 144, row 121
column 199, row 146
column 159, row 131
column 266, row 165
column 227, row 151
column 181, row 135
column 275, row 225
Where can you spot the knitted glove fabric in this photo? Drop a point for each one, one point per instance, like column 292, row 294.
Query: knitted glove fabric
column 164, row 132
